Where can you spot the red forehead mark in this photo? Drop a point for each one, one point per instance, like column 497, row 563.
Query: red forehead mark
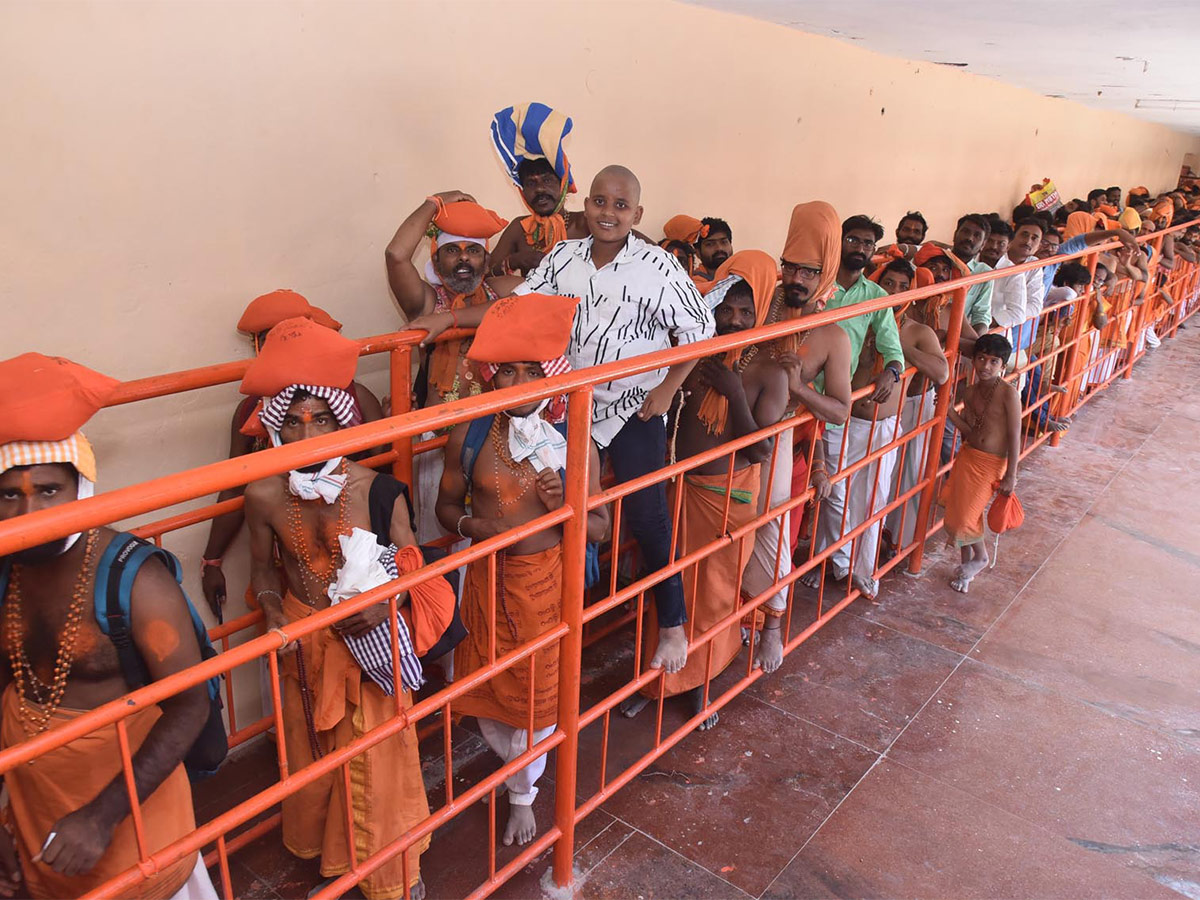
column 27, row 482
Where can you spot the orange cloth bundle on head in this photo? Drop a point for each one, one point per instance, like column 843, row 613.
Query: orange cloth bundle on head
column 814, row 238
column 758, row 270
column 299, row 351
column 525, row 328
column 48, row 398
column 465, row 221
column 265, row 312
column 1079, row 223
column 684, row 228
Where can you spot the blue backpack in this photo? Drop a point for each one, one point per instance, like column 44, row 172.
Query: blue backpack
column 477, row 432
column 115, row 574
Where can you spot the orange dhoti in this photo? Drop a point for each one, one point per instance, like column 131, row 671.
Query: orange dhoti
column 528, row 604
column 387, row 790
column 63, row 780
column 712, row 586
column 968, row 490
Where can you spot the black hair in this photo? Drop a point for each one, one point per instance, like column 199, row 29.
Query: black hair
column 1023, row 211
column 1047, row 221
column 740, row 289
column 716, row 226
column 996, row 345
column 1097, row 192
column 672, row 246
column 975, row 219
column 1061, row 215
column 1101, row 265
column 862, row 223
column 900, row 267
column 1070, row 273
column 997, row 225
column 1035, row 220
column 529, row 167
column 914, row 216
column 1115, row 187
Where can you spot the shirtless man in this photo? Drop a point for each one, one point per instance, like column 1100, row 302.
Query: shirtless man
column 260, row 316
column 990, row 425
column 541, row 187
column 727, row 397
column 299, row 517
column 70, row 813
column 809, row 265
column 456, row 292
column 507, row 488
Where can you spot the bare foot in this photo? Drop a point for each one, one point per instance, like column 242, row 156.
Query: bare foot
column 1057, row 425
column 812, row 578
column 696, row 699
column 1058, row 388
column 868, row 586
column 522, row 825
column 417, row 891
column 769, row 654
column 631, row 706
column 671, row 652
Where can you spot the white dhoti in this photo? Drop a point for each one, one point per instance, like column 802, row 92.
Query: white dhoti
column 772, row 540
column 198, row 886
column 428, row 468
column 916, row 411
column 508, row 743
column 847, row 505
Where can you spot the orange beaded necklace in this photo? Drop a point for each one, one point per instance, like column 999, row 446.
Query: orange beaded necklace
column 319, row 579
column 48, row 696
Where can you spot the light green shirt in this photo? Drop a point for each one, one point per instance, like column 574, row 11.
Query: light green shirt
column 882, row 322
column 979, row 299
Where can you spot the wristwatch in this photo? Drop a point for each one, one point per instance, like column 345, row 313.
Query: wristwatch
column 891, row 367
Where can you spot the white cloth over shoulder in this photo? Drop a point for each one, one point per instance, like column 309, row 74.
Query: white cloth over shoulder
column 367, row 566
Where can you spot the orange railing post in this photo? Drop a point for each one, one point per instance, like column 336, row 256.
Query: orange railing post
column 579, row 444
column 933, row 457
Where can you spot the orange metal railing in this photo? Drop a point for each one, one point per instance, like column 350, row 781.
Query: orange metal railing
column 585, row 776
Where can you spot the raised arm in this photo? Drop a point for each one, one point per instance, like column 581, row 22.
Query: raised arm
column 411, row 291
column 162, row 633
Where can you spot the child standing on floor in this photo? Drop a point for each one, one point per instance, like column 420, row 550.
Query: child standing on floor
column 990, row 425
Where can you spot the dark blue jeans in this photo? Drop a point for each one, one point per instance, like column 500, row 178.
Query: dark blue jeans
column 638, row 449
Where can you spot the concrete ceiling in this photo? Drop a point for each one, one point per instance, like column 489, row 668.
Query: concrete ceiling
column 1140, row 58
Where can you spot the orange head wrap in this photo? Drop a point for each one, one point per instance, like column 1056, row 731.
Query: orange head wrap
column 814, row 238
column 1079, row 223
column 758, row 270
column 684, row 228
column 1163, row 212
column 464, row 221
column 48, row 398
column 265, row 312
column 524, row 328
column 299, row 351
column 1140, row 192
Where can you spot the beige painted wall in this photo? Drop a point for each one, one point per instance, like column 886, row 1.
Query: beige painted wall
column 162, row 163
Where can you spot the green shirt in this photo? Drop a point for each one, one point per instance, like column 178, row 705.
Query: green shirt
column 979, row 299
column 882, row 322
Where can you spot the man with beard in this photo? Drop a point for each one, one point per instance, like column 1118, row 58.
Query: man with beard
column 910, row 234
column 809, row 266
column 454, row 293
column 843, row 447
column 311, row 520
column 713, row 247
column 970, row 233
column 727, row 397
column 70, row 813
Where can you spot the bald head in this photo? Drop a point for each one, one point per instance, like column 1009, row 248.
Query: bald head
column 612, row 208
column 625, row 177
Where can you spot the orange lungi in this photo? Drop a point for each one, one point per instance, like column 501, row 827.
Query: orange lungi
column 967, row 491
column 712, row 586
column 65, row 779
column 387, row 790
column 528, row 604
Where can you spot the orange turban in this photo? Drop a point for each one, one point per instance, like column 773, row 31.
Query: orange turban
column 758, row 270
column 1079, row 223
column 265, row 312
column 524, row 328
column 1105, row 210
column 1130, row 219
column 465, row 221
column 1163, row 212
column 48, row 398
column 299, row 351
column 688, row 229
column 1138, row 193
column 814, row 238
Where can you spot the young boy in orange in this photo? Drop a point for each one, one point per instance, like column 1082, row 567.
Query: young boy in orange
column 990, row 425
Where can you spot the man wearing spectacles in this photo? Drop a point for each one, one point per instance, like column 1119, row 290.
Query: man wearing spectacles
column 844, row 446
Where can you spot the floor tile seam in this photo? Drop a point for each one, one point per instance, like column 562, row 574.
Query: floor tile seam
column 1049, row 690
column 817, row 725
column 904, row 634
column 692, row 862
column 1008, row 812
column 254, row 876
column 592, row 868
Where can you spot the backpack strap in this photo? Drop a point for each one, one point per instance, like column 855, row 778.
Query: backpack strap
column 115, row 574
column 477, row 432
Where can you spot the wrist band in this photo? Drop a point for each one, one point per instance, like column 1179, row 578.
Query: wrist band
column 206, row 563
column 439, row 203
column 458, row 526
column 454, row 317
